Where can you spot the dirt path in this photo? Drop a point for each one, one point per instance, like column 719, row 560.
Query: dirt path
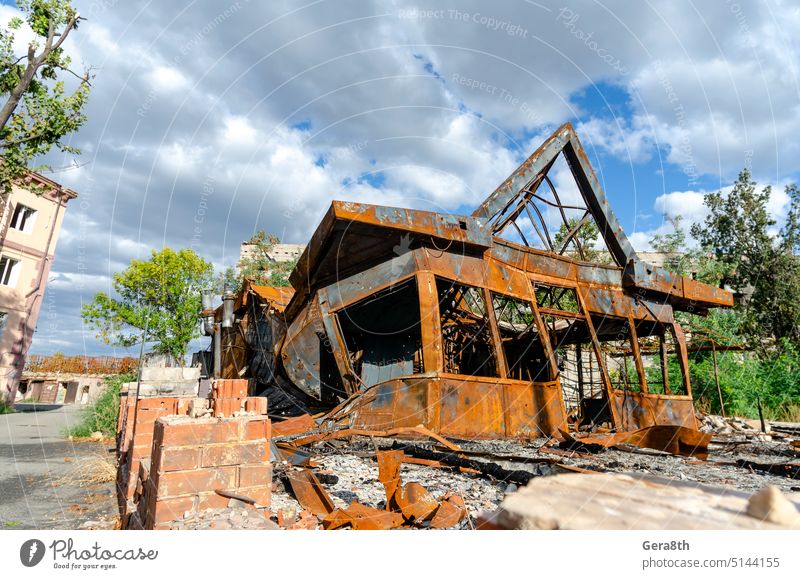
column 37, row 465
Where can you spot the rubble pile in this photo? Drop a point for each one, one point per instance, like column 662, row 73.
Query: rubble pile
column 237, row 515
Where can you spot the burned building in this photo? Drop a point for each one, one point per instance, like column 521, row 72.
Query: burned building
column 507, row 323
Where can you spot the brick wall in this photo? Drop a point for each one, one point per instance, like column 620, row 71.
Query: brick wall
column 194, row 457
column 136, row 441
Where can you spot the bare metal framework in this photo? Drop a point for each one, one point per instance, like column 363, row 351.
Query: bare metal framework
column 484, row 326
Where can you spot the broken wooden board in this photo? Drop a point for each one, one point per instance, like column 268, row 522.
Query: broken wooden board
column 621, row 501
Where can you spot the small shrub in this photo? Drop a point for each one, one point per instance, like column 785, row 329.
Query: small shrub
column 101, row 415
column 5, row 407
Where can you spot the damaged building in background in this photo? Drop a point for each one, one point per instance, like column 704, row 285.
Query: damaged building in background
column 501, row 324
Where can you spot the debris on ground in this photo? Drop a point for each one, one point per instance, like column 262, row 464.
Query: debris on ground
column 619, row 501
column 423, row 366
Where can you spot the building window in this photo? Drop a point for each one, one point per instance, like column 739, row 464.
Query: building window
column 3, row 322
column 9, row 271
column 23, row 218
column 383, row 335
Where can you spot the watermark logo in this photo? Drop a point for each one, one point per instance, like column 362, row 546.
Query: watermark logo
column 32, row 552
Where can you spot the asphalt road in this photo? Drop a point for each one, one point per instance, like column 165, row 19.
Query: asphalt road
column 37, row 468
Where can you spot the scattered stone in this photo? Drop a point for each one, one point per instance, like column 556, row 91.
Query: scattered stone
column 769, row 504
column 236, row 503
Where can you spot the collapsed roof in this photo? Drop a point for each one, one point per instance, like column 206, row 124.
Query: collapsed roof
column 516, row 321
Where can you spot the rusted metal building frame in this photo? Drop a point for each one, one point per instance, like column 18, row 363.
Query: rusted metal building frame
column 353, row 261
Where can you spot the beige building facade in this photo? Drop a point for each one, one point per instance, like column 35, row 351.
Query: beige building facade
column 29, row 229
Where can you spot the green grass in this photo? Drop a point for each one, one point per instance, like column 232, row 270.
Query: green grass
column 5, row 408
column 101, row 416
column 12, row 523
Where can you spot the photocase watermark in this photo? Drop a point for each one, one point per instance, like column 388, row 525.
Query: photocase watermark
column 31, row 552
column 685, row 145
column 569, row 19
column 206, row 191
column 741, row 20
column 501, row 93
column 488, row 22
column 65, row 555
column 85, row 224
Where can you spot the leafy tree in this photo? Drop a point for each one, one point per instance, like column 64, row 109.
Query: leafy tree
column 258, row 267
column 739, row 249
column 587, row 236
column 736, row 231
column 162, row 293
column 38, row 112
column 673, row 245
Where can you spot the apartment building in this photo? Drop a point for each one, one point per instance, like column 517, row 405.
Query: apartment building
column 29, row 228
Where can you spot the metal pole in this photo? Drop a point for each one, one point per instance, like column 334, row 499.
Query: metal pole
column 217, row 350
column 716, row 378
column 761, row 415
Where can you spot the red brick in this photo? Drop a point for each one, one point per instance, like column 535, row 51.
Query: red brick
column 144, row 435
column 225, row 407
column 236, row 453
column 257, row 429
column 197, row 432
column 231, row 388
column 149, row 415
column 172, row 459
column 255, row 475
column 183, row 406
column 256, row 404
column 211, row 501
column 185, row 482
column 141, row 451
column 167, row 510
column 166, row 403
column 261, row 494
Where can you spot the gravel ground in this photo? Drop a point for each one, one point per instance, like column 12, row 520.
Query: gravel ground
column 355, row 469
column 348, row 471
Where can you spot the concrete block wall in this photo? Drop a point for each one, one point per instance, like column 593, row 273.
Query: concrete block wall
column 192, row 458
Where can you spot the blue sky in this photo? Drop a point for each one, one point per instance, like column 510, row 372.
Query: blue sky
column 212, row 119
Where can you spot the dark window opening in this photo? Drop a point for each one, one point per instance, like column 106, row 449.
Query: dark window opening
column 23, row 218
column 382, row 334
column 466, row 333
column 9, row 270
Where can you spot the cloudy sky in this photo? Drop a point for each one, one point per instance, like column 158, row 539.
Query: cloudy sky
column 210, row 120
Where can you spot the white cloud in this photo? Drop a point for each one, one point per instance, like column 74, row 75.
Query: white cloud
column 689, row 206
column 167, row 78
column 190, row 139
column 239, row 131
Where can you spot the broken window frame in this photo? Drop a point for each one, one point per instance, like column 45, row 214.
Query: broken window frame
column 543, row 337
column 340, row 349
column 490, row 323
column 582, row 314
column 666, row 349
